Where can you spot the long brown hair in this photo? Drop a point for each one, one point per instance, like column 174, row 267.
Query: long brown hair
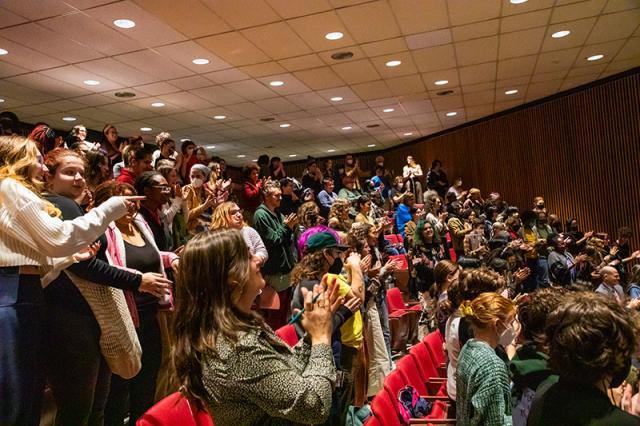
column 312, row 266
column 214, row 269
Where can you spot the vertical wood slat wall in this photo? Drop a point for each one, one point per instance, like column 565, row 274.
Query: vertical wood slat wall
column 581, row 152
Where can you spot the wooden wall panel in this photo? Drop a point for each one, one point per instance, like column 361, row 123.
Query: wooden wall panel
column 580, row 151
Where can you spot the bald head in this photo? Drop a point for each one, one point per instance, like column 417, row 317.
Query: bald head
column 610, row 275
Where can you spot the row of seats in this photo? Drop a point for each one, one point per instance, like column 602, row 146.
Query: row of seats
column 424, row 369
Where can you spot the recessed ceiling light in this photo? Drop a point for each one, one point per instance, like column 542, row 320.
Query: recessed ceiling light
column 124, row 23
column 451, row 114
column 285, row 125
column 124, row 95
column 146, row 129
column 440, row 82
column 207, row 146
column 408, row 133
column 68, row 119
column 337, row 98
column 337, row 35
column 200, row 61
column 347, row 128
column 394, row 63
column 388, row 110
column 276, row 83
column 157, row 104
column 518, row 1
column 595, row 57
column 91, row 82
column 255, row 160
column 293, row 155
column 241, row 155
column 511, row 92
column 1, row 100
column 371, row 145
column 3, row 51
column 187, row 139
column 560, row 34
column 331, row 150
column 219, row 117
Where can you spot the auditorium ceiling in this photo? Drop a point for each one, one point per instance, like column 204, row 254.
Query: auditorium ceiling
column 301, row 77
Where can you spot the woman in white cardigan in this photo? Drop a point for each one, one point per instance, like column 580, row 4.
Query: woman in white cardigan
column 31, row 237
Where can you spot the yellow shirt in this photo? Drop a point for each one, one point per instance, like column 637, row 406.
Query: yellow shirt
column 529, row 237
column 351, row 330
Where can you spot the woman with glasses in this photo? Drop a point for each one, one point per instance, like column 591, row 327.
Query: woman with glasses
column 229, row 216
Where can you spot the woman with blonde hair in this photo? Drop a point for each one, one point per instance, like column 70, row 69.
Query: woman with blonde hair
column 339, row 219
column 31, row 235
column 229, row 216
column 227, row 360
column 482, row 384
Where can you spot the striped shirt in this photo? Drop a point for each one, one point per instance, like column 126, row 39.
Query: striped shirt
column 30, row 236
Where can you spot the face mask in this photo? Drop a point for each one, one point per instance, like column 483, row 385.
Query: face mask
column 336, row 266
column 541, row 206
column 197, row 182
column 508, row 336
column 619, row 376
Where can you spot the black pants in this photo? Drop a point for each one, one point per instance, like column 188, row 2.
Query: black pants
column 140, row 390
column 78, row 375
column 21, row 348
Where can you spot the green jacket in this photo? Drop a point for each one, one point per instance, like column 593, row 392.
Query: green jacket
column 277, row 238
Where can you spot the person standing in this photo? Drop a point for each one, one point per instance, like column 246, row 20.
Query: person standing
column 412, row 173
column 137, row 160
column 276, row 232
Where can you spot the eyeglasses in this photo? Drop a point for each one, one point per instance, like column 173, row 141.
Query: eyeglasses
column 235, row 212
column 162, row 188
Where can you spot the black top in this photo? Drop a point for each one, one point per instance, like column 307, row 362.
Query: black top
column 157, row 228
column 144, row 259
column 569, row 404
column 309, row 182
column 97, row 270
column 288, row 206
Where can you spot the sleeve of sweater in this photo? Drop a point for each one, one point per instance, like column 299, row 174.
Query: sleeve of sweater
column 488, row 400
column 255, row 242
column 50, row 235
column 272, row 236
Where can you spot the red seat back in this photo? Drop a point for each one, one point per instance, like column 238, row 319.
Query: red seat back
column 394, row 300
column 392, row 238
column 434, row 342
column 408, row 368
column 402, row 258
column 288, row 334
column 393, row 383
column 424, row 361
column 385, row 409
column 174, row 410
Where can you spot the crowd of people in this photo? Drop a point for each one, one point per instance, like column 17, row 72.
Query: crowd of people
column 130, row 271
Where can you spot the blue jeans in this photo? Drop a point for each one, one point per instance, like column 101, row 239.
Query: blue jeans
column 22, row 376
column 542, row 273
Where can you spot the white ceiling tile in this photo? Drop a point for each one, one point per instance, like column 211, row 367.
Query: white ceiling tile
column 277, row 105
column 451, row 75
column 548, row 76
column 116, row 71
column 291, row 84
column 263, row 69
column 152, row 63
column 185, row 52
column 62, row 105
column 542, row 89
column 570, row 83
column 301, row 62
column 218, row 95
column 149, row 30
column 48, row 85
column 556, row 61
column 448, row 103
column 465, row 12
column 193, row 82
column 313, row 28
column 509, row 8
column 36, row 9
column 243, row 13
column 479, row 98
column 356, row 71
column 405, row 68
column 288, row 9
column 348, row 96
column 376, row 26
column 28, row 111
column 361, row 115
column 234, row 48
column 512, row 83
column 521, row 43
column 524, row 21
column 631, row 49
column 155, row 89
column 226, row 76
column 8, row 18
column 27, row 58
column 619, row 5
column 408, row 84
column 589, row 70
column 190, row 17
column 477, row 51
column 429, row 39
column 571, row 12
column 371, row 90
column 250, row 89
column 249, row 110
column 478, row 87
column 124, row 109
column 476, row 30
column 516, row 67
column 94, row 100
column 615, row 26
column 277, row 40
column 76, row 76
column 579, row 32
column 434, row 58
column 608, row 49
column 186, row 100
column 417, row 16
column 478, row 73
column 7, row 70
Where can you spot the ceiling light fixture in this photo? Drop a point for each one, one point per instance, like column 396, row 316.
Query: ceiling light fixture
column 293, row 155
column 560, row 34
column 207, row 146
column 283, row 125
column 451, row 114
column 68, row 119
column 219, row 117
column 408, row 133
column 255, row 160
column 1, row 100
column 595, row 57
column 241, row 155
column 440, row 82
column 157, row 104
column 200, row 61
column 91, row 82
column 276, row 83
column 336, row 35
column 388, row 110
column 371, row 145
column 146, row 129
column 394, row 63
column 342, row 56
column 347, row 128
column 337, row 98
column 518, row 1
column 124, row 94
column 124, row 23
column 3, row 51
column 511, row 92
column 331, row 150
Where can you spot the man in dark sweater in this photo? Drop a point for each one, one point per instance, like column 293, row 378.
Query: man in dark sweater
column 276, row 231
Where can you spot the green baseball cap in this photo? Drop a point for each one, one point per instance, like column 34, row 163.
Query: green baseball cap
column 323, row 240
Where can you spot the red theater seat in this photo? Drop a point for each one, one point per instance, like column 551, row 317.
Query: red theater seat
column 174, row 410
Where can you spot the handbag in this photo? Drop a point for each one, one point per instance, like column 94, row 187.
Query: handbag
column 119, row 342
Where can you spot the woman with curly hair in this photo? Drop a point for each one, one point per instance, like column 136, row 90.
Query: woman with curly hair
column 590, row 341
column 311, row 223
column 339, row 216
